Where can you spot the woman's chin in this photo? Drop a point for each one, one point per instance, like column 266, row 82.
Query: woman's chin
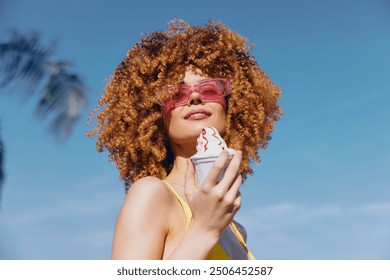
column 197, row 126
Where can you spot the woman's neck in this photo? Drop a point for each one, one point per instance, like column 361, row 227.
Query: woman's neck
column 181, row 153
column 177, row 174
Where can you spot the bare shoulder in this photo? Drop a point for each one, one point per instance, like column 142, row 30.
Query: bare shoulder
column 148, row 206
column 148, row 192
column 148, row 186
column 143, row 221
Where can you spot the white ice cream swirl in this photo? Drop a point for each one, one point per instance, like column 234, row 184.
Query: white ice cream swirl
column 210, row 143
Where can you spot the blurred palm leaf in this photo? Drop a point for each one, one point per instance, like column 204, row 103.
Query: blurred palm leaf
column 23, row 60
column 64, row 96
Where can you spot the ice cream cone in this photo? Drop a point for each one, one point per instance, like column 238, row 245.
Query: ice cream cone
column 209, row 146
column 203, row 166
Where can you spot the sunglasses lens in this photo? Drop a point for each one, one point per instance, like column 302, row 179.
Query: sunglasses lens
column 180, row 95
column 211, row 89
column 208, row 89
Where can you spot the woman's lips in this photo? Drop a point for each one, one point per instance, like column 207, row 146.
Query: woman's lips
column 197, row 114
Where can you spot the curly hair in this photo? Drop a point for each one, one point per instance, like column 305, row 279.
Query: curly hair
column 130, row 123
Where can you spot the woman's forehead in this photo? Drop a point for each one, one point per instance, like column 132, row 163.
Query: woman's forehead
column 193, row 76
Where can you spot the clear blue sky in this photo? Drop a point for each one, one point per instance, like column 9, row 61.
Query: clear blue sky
column 322, row 188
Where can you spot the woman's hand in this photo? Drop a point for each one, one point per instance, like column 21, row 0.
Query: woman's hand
column 214, row 204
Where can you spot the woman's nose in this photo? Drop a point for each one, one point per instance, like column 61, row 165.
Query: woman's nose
column 195, row 99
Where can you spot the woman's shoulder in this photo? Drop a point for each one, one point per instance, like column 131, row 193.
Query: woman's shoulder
column 143, row 221
column 149, row 181
column 148, row 190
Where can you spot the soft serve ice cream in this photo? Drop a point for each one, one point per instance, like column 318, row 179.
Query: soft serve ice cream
column 210, row 143
column 209, row 146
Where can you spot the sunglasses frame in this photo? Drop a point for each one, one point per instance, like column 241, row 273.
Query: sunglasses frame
column 169, row 104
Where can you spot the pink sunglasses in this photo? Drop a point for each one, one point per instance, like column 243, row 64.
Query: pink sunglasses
column 211, row 90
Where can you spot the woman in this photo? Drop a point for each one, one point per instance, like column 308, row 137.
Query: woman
column 149, row 118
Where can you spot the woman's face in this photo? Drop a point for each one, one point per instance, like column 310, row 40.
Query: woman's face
column 185, row 123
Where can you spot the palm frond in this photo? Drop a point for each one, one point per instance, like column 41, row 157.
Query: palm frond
column 63, row 99
column 24, row 59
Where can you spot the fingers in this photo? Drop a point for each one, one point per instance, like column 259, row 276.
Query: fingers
column 231, row 172
column 237, row 203
column 235, row 198
column 233, row 192
column 219, row 165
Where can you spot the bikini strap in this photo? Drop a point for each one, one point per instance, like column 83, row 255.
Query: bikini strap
column 241, row 240
column 184, row 205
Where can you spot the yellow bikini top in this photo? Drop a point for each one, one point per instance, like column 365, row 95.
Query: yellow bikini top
column 231, row 245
